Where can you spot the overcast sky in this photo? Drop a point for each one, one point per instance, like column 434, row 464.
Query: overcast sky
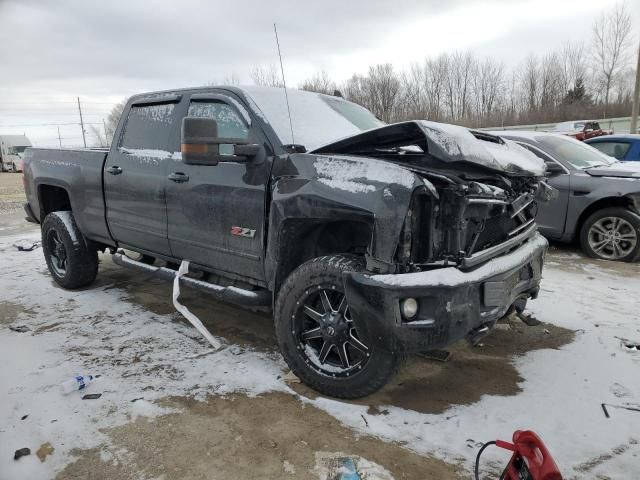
column 54, row 51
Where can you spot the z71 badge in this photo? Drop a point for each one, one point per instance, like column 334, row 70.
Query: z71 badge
column 243, row 232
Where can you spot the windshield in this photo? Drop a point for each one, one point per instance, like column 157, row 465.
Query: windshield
column 573, row 152
column 317, row 119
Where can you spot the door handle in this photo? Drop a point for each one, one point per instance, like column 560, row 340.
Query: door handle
column 115, row 170
column 178, row 177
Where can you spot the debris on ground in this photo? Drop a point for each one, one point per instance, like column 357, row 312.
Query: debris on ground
column 79, row 382
column 627, row 406
column 19, row 328
column 438, row 355
column 44, row 451
column 91, row 396
column 194, row 320
column 528, row 319
column 365, row 420
column 21, row 452
column 336, row 466
column 291, row 377
column 26, row 246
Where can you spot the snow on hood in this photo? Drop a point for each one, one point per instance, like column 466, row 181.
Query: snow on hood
column 355, row 175
column 617, row 169
column 445, row 142
column 454, row 143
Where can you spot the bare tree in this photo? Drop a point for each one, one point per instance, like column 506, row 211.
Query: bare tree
column 435, row 75
column 383, row 87
column 573, row 64
column 266, row 76
column 611, row 41
column 488, row 85
column 530, row 79
column 232, row 79
column 320, row 82
column 462, row 67
column 99, row 138
column 112, row 120
column 356, row 90
column 412, row 101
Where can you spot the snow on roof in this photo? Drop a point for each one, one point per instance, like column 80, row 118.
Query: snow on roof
column 15, row 140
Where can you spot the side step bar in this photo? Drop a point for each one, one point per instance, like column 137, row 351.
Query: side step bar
column 239, row 296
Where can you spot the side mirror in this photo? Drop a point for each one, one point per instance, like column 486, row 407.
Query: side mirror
column 554, row 168
column 200, row 143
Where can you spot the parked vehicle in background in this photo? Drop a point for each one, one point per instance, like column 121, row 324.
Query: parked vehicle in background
column 12, row 149
column 580, row 129
column 395, row 239
column 599, row 197
column 625, row 148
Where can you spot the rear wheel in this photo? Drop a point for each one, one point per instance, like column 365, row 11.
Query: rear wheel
column 612, row 234
column 317, row 336
column 71, row 262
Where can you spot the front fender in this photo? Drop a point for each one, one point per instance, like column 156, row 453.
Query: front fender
column 323, row 188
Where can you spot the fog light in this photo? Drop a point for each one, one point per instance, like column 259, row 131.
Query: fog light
column 409, row 307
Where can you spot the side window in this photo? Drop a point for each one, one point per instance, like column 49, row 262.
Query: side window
column 149, row 127
column 230, row 124
column 613, row 149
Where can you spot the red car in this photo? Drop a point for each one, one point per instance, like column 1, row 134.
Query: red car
column 581, row 129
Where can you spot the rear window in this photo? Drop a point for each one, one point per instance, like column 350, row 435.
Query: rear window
column 149, row 127
column 614, row 149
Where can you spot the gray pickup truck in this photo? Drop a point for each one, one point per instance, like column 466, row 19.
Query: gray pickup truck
column 368, row 241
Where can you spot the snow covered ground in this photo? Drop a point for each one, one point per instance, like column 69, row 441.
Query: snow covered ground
column 140, row 353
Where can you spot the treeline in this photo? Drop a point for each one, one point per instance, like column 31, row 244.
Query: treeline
column 592, row 79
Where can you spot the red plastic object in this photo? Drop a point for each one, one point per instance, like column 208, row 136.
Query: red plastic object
column 530, row 460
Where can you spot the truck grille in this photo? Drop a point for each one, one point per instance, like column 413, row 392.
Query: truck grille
column 518, row 217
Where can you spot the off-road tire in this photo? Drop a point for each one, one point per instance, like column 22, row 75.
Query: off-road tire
column 81, row 261
column 620, row 212
column 328, row 270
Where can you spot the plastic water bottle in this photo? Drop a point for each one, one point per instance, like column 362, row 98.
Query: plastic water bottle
column 79, row 382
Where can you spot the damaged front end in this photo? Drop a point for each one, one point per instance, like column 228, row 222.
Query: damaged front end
column 468, row 250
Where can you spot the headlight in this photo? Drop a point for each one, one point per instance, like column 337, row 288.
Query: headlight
column 409, row 307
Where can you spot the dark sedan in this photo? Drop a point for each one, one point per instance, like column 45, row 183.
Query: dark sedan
column 621, row 147
column 598, row 199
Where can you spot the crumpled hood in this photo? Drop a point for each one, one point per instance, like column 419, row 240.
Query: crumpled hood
column 445, row 142
column 618, row 169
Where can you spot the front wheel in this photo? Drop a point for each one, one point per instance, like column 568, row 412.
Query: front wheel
column 317, row 336
column 612, row 234
column 71, row 262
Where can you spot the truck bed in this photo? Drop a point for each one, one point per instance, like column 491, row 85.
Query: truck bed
column 79, row 173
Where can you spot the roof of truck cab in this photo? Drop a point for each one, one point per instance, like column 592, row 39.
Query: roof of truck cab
column 15, row 140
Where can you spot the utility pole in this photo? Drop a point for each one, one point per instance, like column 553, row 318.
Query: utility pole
column 636, row 99
column 59, row 138
column 84, row 139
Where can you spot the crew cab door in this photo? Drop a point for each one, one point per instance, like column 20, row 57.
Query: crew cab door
column 135, row 175
column 552, row 215
column 216, row 213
